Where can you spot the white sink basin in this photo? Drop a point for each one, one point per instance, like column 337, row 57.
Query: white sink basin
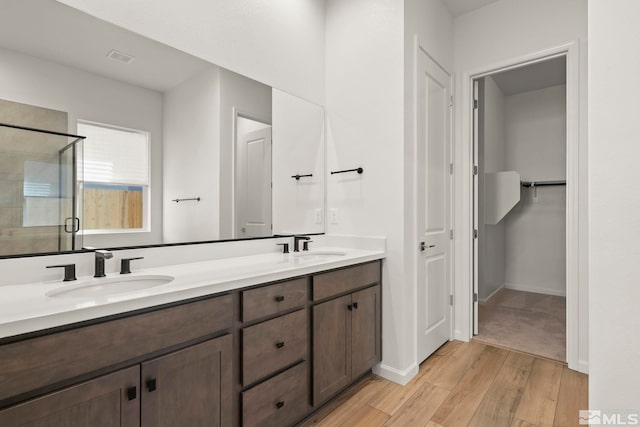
column 317, row 255
column 105, row 286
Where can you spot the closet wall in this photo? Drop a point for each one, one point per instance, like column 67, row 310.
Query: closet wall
column 523, row 132
column 492, row 155
column 535, row 230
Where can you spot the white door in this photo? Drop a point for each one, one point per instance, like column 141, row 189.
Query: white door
column 433, row 204
column 253, row 184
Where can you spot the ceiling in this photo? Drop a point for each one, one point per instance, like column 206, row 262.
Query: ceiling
column 540, row 75
column 50, row 30
column 460, row 7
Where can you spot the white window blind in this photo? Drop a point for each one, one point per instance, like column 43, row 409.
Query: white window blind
column 114, row 156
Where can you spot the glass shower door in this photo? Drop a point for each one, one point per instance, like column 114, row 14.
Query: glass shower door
column 69, row 223
column 38, row 197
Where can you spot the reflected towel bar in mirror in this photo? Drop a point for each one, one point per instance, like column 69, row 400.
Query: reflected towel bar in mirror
column 298, row 176
column 197, row 199
column 542, row 183
column 359, row 170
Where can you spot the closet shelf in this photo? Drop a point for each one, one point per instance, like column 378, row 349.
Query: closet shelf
column 502, row 193
column 542, row 183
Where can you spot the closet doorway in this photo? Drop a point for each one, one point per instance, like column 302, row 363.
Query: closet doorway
column 520, row 220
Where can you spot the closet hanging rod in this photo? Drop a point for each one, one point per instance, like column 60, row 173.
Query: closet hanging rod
column 542, row 183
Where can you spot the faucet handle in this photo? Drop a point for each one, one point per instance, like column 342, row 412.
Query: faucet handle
column 305, row 245
column 125, row 264
column 69, row 271
column 285, row 247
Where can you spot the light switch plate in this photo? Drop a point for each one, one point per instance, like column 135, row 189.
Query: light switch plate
column 318, row 216
column 333, row 216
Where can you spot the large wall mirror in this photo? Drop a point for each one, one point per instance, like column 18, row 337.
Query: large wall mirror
column 142, row 144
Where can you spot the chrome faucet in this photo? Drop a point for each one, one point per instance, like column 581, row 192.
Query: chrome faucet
column 101, row 255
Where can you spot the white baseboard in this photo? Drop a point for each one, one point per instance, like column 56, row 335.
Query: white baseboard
column 535, row 289
column 395, row 375
column 458, row 335
column 583, row 366
column 483, row 300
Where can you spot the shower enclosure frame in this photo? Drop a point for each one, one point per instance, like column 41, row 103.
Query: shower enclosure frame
column 73, row 145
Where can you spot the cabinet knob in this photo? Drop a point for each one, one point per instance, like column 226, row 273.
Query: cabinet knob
column 280, row 344
column 355, row 305
column 280, row 404
column 132, row 393
column 279, row 298
column 151, row 385
column 350, row 307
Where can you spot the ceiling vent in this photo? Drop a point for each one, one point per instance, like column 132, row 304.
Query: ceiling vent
column 125, row 58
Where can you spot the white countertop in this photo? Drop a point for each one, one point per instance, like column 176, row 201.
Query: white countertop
column 26, row 308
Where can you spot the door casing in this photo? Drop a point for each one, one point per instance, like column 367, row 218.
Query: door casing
column 577, row 180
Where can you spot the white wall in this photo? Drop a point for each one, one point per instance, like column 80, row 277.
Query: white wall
column 493, row 36
column 278, row 42
column 191, row 149
column 364, row 105
column 536, row 133
column 238, row 95
column 535, row 230
column 369, row 101
column 298, row 148
column 492, row 149
column 91, row 97
column 614, row 90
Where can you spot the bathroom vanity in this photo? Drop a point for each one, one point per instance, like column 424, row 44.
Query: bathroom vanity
column 261, row 348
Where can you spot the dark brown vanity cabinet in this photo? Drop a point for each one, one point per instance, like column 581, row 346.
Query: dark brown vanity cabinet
column 274, row 355
column 108, row 401
column 262, row 356
column 179, row 389
column 346, row 329
column 188, row 386
column 165, row 367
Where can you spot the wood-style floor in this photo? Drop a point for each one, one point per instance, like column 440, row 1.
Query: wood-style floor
column 465, row 384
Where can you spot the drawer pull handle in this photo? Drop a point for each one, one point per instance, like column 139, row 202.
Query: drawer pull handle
column 151, row 385
column 355, row 305
column 280, row 344
column 280, row 404
column 132, row 393
column 350, row 307
column 279, row 298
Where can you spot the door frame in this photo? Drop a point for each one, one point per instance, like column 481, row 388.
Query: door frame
column 576, row 206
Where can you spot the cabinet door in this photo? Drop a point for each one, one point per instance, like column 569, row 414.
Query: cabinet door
column 191, row 387
column 331, row 348
column 108, row 401
column 365, row 330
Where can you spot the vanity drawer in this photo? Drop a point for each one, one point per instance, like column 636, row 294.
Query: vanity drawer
column 273, row 299
column 37, row 362
column 344, row 280
column 281, row 401
column 272, row 345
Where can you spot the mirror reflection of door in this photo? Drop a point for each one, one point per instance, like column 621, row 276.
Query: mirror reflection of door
column 252, row 192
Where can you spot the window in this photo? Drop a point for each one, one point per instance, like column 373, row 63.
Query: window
column 114, row 179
